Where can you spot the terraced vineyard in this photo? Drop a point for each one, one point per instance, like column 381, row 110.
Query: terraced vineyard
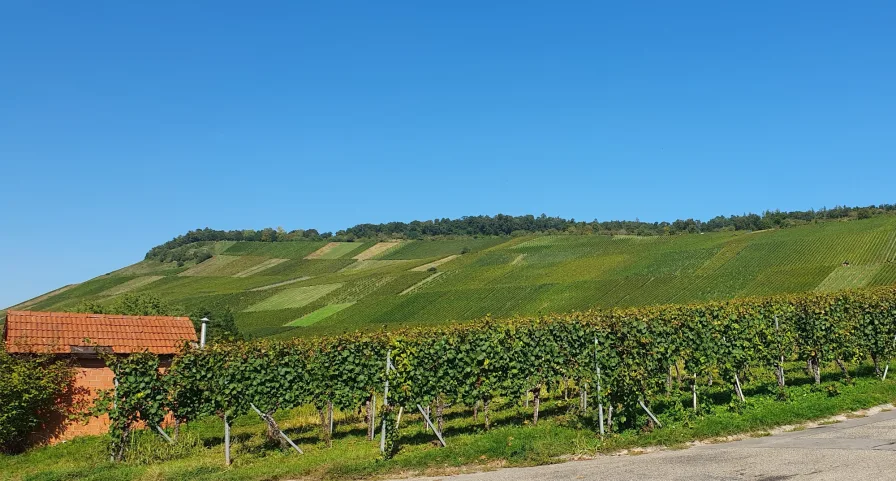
column 314, row 287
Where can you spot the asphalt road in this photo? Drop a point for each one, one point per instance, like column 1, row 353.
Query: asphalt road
column 854, row 449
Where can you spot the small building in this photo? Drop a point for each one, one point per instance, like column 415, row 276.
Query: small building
column 78, row 337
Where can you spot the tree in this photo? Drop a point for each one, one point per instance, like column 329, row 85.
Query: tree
column 221, row 325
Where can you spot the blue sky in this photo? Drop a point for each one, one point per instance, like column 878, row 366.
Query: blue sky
column 123, row 125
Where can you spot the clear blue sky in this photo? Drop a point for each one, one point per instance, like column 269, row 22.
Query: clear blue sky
column 124, row 125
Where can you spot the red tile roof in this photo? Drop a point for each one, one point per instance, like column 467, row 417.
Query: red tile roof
column 59, row 332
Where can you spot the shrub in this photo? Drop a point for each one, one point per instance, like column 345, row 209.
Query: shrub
column 30, row 388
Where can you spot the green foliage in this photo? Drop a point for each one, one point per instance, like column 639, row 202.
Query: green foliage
column 221, row 325
column 506, row 277
column 31, row 389
column 131, row 305
column 140, row 394
column 466, row 364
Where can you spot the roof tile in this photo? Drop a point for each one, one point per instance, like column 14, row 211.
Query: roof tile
column 56, row 332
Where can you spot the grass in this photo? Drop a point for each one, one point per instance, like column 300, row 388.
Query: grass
column 214, row 266
column 512, row 441
column 130, row 285
column 319, row 315
column 377, row 250
column 337, row 250
column 848, row 277
column 293, row 297
column 266, row 264
column 435, row 263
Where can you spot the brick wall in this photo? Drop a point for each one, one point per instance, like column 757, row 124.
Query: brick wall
column 92, row 376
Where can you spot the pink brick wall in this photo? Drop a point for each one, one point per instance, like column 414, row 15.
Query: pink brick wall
column 92, row 376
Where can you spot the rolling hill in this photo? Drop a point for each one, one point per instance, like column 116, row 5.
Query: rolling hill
column 320, row 287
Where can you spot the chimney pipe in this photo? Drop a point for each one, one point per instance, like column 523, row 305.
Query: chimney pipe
column 202, row 332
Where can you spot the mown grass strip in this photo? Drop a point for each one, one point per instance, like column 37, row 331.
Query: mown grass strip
column 260, row 267
column 848, row 277
column 318, row 315
column 130, row 285
column 209, row 267
column 417, row 285
column 334, row 250
column 426, row 267
column 295, row 297
column 377, row 250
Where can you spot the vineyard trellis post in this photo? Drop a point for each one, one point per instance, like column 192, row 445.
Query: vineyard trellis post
column 226, row 441
column 389, row 367
column 738, row 388
column 430, row 424
column 655, row 420
column 164, row 434
column 266, row 419
column 600, row 404
column 372, row 428
column 780, row 370
column 887, row 367
column 694, row 392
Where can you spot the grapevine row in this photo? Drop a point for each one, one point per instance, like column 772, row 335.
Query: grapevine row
column 476, row 363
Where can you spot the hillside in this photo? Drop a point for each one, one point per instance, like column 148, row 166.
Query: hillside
column 317, row 287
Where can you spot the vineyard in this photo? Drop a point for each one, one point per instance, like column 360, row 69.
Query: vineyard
column 620, row 366
column 274, row 287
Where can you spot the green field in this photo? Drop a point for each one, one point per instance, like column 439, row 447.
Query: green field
column 270, row 284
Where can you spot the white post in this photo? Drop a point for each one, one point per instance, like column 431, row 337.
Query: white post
column 655, row 420
column 385, row 401
column 203, row 331
column 164, row 434
column 884, row 377
column 694, row 391
column 226, row 441
column 740, row 391
column 600, row 404
column 781, row 365
column 432, row 426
